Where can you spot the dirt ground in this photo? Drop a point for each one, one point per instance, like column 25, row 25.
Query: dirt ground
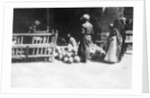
column 78, row 75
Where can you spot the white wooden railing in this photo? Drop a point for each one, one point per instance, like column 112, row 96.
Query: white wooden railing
column 39, row 45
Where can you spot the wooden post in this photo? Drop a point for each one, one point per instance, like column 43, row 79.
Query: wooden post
column 18, row 41
column 40, row 40
column 37, row 51
column 21, row 40
column 33, row 41
column 45, row 52
column 21, row 50
column 27, row 52
column 47, row 40
column 44, row 39
column 41, row 52
column 54, row 44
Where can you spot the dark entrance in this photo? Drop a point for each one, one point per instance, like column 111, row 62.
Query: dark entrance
column 66, row 20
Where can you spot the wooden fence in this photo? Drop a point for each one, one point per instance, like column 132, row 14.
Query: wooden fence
column 33, row 45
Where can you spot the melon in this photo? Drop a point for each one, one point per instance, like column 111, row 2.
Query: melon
column 70, row 60
column 66, row 59
column 63, row 53
column 55, row 54
column 76, row 59
column 59, row 51
column 60, row 56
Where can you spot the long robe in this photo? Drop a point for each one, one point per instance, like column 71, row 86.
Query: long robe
column 114, row 47
column 121, row 28
column 86, row 41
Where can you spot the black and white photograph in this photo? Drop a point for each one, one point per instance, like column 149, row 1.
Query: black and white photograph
column 86, row 47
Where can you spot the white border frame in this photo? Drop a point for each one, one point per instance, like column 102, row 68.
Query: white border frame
column 138, row 31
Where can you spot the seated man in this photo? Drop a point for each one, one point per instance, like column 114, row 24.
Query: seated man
column 72, row 44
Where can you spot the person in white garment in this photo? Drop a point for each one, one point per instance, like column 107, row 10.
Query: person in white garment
column 114, row 45
column 72, row 43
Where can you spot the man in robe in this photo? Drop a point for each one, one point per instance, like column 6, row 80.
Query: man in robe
column 86, row 39
column 120, row 24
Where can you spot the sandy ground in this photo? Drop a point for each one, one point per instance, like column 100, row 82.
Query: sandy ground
column 61, row 75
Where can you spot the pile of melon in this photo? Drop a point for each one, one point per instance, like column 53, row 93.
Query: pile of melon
column 66, row 54
column 96, row 51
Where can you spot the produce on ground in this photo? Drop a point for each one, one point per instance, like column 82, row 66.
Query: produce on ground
column 68, row 54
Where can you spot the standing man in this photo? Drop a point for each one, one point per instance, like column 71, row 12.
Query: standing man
column 86, row 40
column 120, row 24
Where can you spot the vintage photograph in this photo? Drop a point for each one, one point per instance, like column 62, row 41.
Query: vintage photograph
column 86, row 47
